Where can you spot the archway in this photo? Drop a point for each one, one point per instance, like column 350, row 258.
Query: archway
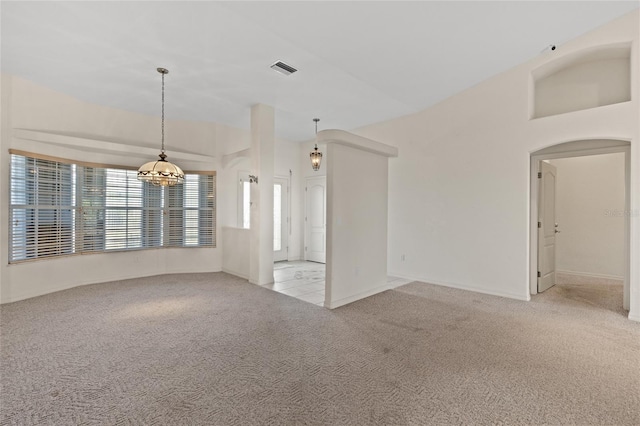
column 571, row 149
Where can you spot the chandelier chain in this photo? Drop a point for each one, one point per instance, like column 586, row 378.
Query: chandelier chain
column 163, row 112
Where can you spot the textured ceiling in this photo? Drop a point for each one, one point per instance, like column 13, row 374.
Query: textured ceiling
column 359, row 62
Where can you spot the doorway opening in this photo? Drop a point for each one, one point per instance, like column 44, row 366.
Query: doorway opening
column 580, row 229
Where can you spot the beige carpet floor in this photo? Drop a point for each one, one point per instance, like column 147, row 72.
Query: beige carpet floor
column 202, row 349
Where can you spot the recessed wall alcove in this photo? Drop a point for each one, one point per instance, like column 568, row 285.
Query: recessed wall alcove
column 583, row 80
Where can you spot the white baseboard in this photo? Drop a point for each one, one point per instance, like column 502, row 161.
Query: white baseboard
column 192, row 271
column 355, row 297
column 591, row 275
column 634, row 317
column 525, row 296
column 236, row 273
column 41, row 291
column 107, row 279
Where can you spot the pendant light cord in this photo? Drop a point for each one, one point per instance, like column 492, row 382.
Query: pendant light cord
column 163, row 112
column 316, row 121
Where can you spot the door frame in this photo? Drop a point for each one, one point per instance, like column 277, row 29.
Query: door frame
column 545, row 168
column 579, row 148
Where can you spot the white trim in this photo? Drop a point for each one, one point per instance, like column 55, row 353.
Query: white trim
column 94, row 144
column 63, row 287
column 340, row 137
column 103, row 280
column 634, row 317
column 591, row 275
column 235, row 273
column 466, row 287
column 355, row 297
column 393, row 285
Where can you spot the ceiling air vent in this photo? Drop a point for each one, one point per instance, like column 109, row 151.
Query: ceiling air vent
column 283, row 68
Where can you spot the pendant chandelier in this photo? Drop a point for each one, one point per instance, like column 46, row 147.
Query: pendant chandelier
column 316, row 156
column 161, row 172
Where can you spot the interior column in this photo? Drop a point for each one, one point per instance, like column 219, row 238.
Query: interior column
column 262, row 167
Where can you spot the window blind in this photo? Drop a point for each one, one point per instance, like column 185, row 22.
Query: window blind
column 43, row 208
column 60, row 208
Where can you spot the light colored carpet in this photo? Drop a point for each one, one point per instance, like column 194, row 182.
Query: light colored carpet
column 212, row 349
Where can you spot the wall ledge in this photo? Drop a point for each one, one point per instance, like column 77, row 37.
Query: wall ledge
column 340, row 137
column 94, row 144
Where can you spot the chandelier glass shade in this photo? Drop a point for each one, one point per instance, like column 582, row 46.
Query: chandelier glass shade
column 316, row 158
column 161, row 172
column 315, row 155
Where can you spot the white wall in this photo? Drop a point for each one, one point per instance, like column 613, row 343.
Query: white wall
column 590, row 213
column 356, row 224
column 235, row 251
column 459, row 191
column 66, row 127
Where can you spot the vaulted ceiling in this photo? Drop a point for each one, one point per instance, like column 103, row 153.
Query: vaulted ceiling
column 359, row 62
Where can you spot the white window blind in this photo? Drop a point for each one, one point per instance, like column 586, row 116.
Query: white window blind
column 59, row 208
column 191, row 212
column 43, row 210
column 112, row 209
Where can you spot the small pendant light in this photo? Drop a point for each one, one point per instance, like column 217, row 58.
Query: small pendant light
column 316, row 156
column 161, row 172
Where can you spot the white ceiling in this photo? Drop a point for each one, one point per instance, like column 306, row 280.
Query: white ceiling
column 359, row 62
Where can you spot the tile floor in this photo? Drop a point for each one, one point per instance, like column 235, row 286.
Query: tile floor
column 305, row 280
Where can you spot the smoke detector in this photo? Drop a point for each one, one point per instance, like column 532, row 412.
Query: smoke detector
column 283, row 68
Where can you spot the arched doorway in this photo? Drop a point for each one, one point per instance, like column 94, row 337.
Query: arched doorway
column 542, row 251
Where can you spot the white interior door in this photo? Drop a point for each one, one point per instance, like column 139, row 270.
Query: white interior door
column 547, row 227
column 280, row 219
column 315, row 219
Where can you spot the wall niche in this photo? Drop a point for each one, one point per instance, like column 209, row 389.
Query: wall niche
column 583, row 80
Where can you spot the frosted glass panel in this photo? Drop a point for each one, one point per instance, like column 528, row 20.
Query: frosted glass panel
column 246, row 205
column 277, row 217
